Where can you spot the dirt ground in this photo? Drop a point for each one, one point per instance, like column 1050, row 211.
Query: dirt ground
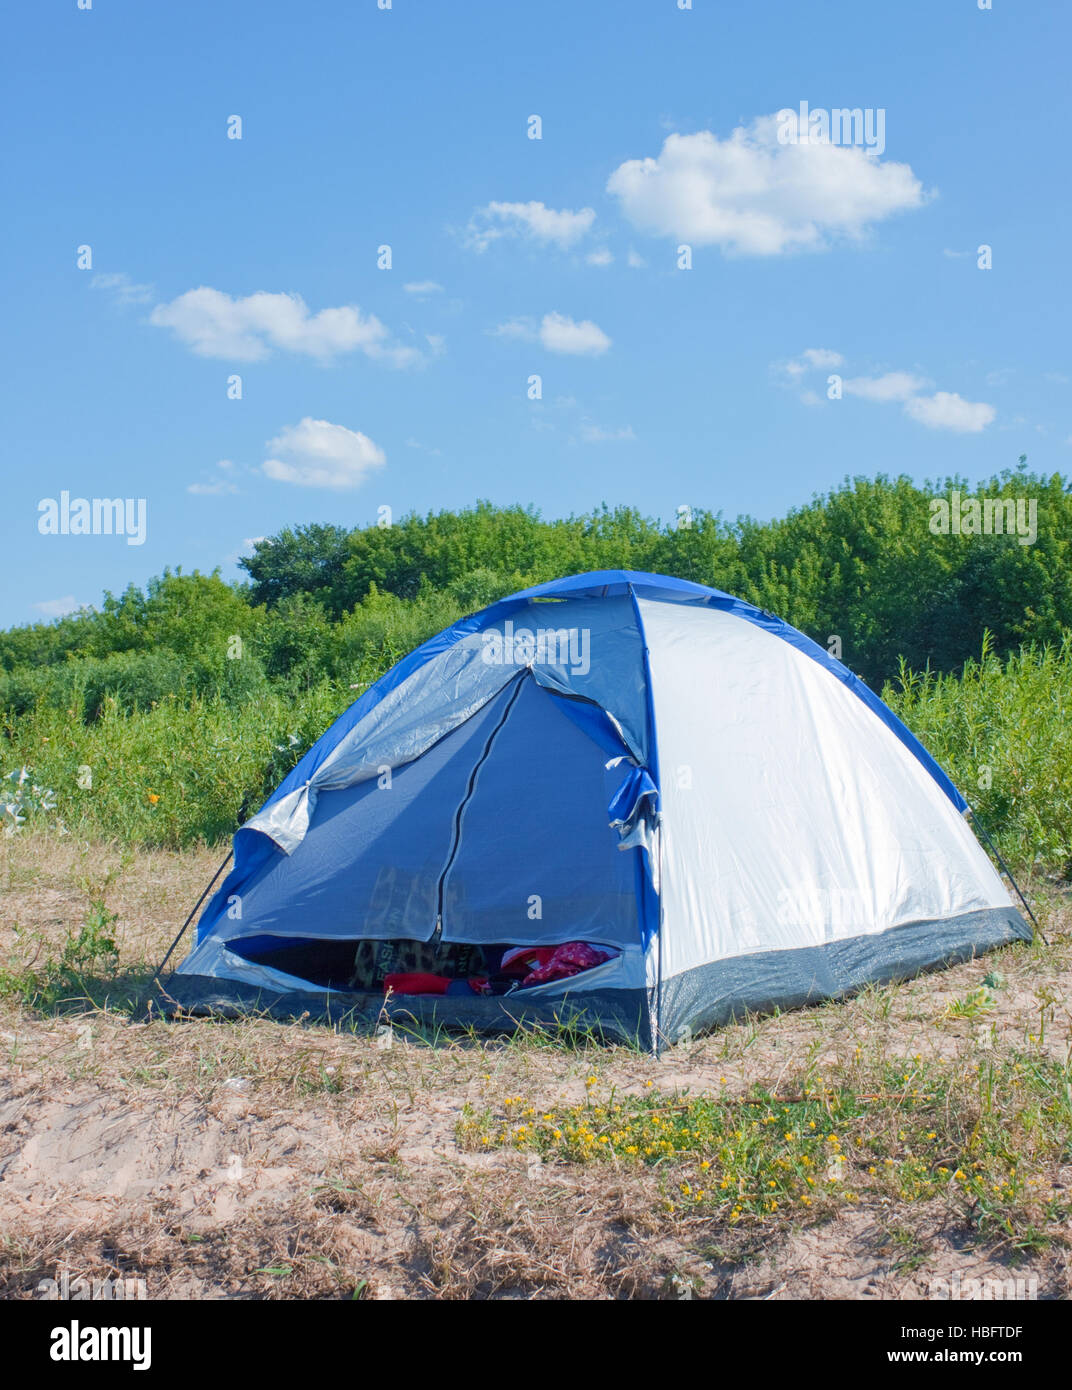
column 253, row 1159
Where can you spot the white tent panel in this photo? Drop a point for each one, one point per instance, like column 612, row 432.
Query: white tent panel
column 791, row 815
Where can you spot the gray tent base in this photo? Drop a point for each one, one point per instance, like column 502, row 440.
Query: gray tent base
column 715, row 994
column 707, row 997
column 619, row 1015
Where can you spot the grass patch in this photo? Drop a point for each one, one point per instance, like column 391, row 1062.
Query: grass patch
column 988, row 1143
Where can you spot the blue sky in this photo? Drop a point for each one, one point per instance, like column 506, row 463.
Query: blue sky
column 511, row 257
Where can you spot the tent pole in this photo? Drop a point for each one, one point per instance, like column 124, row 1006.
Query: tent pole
column 193, row 912
column 1007, row 872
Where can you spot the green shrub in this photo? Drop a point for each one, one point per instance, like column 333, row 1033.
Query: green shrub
column 1003, row 732
column 177, row 774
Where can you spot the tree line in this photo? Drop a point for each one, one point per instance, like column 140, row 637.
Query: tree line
column 864, row 563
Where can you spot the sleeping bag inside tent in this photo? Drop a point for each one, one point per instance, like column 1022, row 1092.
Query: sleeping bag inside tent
column 616, row 801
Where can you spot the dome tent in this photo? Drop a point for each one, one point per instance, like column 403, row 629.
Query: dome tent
column 625, row 759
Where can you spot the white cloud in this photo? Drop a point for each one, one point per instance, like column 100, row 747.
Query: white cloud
column 533, row 220
column 811, row 359
column 893, row 386
column 215, row 325
column 595, row 434
column 558, row 333
column 514, row 328
column 945, row 410
column 753, row 195
column 423, row 288
column 316, row 453
column 437, row 343
column 217, row 487
column 635, row 260
column 59, row 607
column 412, row 443
column 119, row 284
column 600, row 257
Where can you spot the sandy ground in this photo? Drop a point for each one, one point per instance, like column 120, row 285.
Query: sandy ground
column 254, row 1159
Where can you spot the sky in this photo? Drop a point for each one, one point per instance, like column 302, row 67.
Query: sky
column 387, row 294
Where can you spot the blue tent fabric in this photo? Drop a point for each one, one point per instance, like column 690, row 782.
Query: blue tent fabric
column 534, row 838
column 253, row 851
column 529, row 812
column 374, row 865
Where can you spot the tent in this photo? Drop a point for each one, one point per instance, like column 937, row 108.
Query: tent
column 618, row 758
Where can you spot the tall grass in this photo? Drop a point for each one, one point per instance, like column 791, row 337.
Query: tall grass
column 182, row 772
column 1003, row 731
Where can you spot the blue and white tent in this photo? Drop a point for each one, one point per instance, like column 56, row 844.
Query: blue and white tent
column 623, row 759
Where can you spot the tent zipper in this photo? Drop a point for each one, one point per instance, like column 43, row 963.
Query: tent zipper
column 470, row 788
